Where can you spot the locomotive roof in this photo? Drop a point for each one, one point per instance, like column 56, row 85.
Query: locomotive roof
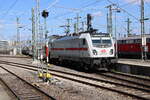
column 101, row 34
column 77, row 36
column 134, row 37
column 67, row 38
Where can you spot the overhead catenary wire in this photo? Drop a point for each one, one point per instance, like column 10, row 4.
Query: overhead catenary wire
column 52, row 4
column 124, row 10
column 72, row 9
column 91, row 4
column 148, row 5
column 83, row 8
column 10, row 8
column 75, row 9
column 126, row 4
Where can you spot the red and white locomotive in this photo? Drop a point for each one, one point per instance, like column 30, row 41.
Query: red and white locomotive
column 96, row 50
column 132, row 45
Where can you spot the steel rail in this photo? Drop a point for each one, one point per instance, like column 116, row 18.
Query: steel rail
column 15, row 94
column 129, row 75
column 15, row 57
column 125, row 80
column 41, row 91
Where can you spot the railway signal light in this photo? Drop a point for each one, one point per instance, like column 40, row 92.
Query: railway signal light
column 45, row 14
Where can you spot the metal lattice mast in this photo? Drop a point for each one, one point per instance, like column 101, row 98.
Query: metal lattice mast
column 75, row 28
column 107, row 23
column 83, row 25
column 18, row 37
column 68, row 26
column 37, row 25
column 128, row 27
column 142, row 27
column 33, row 35
column 77, row 24
column 17, row 30
column 40, row 29
column 110, row 25
column 142, row 18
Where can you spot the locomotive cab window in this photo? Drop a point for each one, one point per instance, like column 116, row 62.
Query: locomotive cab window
column 84, row 42
column 101, row 42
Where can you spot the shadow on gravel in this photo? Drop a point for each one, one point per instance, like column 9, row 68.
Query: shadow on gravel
column 80, row 69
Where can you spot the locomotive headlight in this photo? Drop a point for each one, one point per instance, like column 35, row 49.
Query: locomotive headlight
column 94, row 52
column 111, row 51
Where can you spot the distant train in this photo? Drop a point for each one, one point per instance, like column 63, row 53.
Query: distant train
column 27, row 50
column 132, row 46
column 4, row 47
column 90, row 50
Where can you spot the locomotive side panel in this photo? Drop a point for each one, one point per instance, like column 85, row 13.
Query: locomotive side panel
column 69, row 48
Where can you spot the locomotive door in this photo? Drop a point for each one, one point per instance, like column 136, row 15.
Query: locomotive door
column 50, row 50
column 82, row 46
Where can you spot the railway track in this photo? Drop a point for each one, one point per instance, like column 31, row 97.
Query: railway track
column 22, row 89
column 128, row 78
column 131, row 79
column 28, row 57
column 137, row 91
column 131, row 76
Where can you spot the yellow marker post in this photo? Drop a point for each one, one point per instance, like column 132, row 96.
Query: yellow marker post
column 40, row 75
column 49, row 65
column 48, row 75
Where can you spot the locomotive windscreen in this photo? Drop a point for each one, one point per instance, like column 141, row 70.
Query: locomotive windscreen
column 101, row 42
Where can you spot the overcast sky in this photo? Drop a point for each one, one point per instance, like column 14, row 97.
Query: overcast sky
column 60, row 10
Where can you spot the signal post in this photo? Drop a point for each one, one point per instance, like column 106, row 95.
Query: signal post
column 46, row 76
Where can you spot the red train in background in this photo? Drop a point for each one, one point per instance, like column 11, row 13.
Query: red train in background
column 131, row 46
